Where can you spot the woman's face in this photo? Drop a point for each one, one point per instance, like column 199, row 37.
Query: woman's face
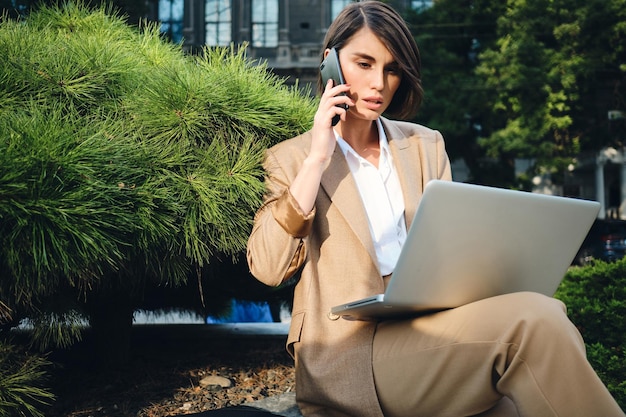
column 372, row 73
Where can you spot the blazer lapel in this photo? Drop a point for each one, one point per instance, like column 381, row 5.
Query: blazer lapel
column 338, row 183
column 341, row 188
column 407, row 165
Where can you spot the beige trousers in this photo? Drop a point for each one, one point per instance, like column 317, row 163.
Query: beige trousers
column 512, row 355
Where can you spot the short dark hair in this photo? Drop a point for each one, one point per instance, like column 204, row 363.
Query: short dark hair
column 393, row 32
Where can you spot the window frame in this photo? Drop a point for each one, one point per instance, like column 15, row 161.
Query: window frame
column 264, row 31
column 173, row 25
column 223, row 23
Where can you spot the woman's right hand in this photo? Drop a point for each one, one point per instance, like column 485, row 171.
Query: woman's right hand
column 306, row 184
column 331, row 102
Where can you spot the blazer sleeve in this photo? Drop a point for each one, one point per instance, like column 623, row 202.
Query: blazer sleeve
column 277, row 244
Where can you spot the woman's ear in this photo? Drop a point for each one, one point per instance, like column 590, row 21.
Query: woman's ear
column 326, row 52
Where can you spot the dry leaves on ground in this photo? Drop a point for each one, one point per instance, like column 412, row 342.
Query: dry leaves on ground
column 164, row 377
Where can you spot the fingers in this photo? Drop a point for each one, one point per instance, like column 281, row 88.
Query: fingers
column 333, row 104
column 332, row 108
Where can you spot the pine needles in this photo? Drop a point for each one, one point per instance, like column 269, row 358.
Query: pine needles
column 21, row 393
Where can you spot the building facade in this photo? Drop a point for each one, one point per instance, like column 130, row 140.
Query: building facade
column 285, row 34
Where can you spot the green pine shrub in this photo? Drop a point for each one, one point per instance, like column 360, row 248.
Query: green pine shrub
column 127, row 165
column 21, row 379
column 595, row 295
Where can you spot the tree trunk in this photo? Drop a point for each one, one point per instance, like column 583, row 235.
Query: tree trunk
column 111, row 319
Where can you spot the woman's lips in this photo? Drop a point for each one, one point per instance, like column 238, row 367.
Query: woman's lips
column 373, row 103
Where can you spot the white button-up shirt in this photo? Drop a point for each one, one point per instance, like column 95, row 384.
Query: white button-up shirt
column 382, row 197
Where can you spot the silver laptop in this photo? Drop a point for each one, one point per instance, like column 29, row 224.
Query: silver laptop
column 469, row 242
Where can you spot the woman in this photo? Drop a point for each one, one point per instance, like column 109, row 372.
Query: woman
column 339, row 201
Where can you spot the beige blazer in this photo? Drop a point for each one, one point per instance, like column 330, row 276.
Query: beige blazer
column 332, row 251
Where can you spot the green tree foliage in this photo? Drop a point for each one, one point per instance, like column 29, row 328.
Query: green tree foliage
column 536, row 77
column 596, row 299
column 552, row 61
column 126, row 164
column 451, row 35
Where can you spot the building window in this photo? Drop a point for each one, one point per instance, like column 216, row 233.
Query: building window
column 421, row 4
column 171, row 17
column 265, row 23
column 337, row 6
column 218, row 22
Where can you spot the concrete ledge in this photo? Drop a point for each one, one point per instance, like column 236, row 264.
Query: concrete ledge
column 214, row 331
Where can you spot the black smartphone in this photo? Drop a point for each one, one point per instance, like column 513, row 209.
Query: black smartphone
column 331, row 70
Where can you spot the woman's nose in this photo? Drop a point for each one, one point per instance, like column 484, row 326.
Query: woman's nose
column 378, row 80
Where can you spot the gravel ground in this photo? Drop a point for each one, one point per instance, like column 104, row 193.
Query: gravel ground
column 164, row 378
